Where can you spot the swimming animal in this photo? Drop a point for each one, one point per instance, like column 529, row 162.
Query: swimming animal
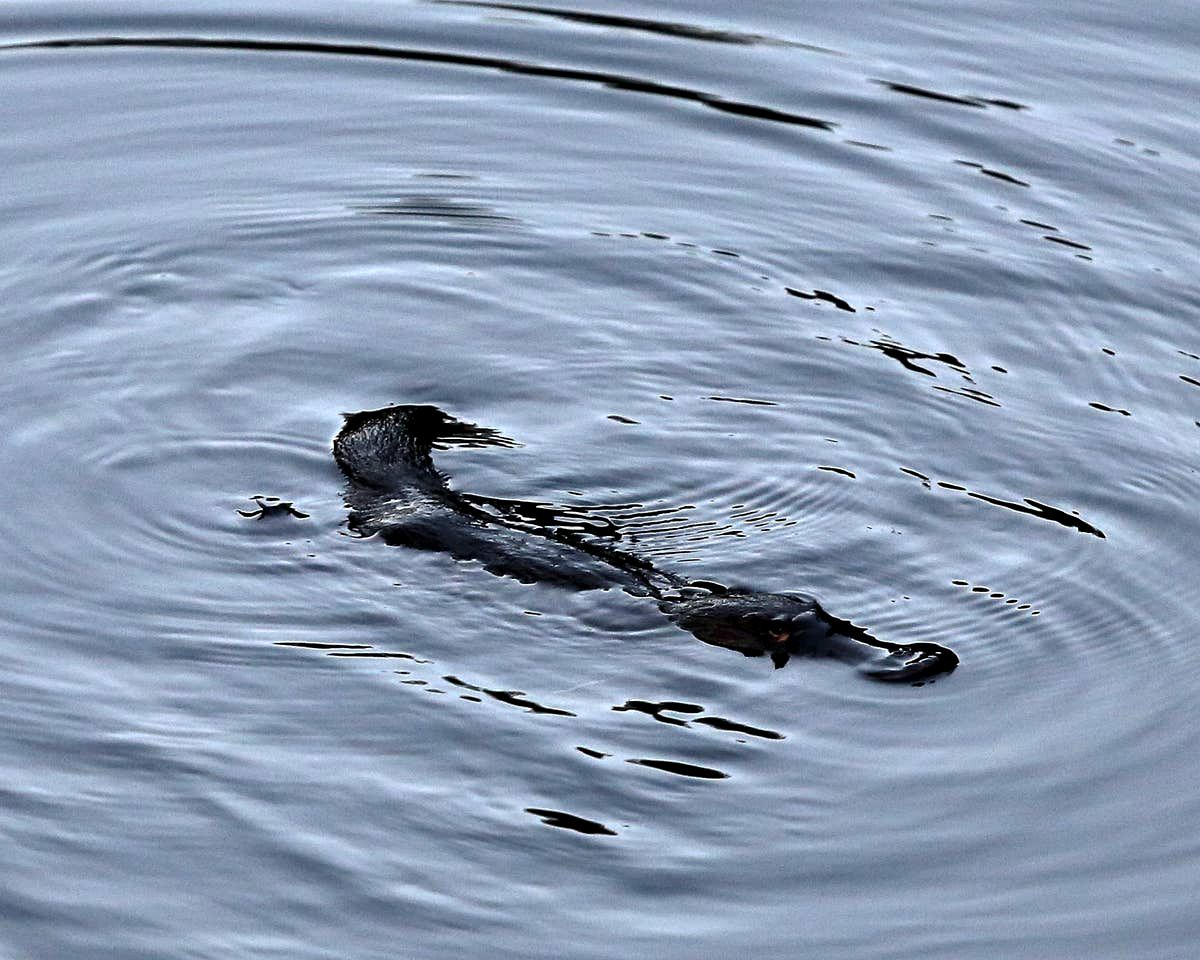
column 395, row 492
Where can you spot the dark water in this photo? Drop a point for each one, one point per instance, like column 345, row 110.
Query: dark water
column 895, row 304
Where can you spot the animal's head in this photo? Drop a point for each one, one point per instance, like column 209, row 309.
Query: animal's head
column 775, row 624
column 374, row 447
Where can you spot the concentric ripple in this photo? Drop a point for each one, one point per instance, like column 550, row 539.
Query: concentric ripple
column 892, row 309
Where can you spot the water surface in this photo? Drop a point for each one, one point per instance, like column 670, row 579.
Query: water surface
column 893, row 305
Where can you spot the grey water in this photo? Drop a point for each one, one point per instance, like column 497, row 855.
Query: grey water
column 893, row 304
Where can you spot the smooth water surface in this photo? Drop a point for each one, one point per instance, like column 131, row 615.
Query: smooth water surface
column 893, row 304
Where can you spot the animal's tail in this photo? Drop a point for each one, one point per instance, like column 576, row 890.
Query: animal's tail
column 380, row 448
column 912, row 663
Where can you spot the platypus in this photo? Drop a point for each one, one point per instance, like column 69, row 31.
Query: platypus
column 395, row 491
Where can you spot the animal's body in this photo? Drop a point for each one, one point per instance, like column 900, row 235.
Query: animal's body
column 395, row 491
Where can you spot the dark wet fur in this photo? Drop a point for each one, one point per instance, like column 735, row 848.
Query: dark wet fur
column 395, row 491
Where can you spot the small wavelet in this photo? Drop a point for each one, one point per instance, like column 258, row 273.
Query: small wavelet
column 514, row 698
column 733, row 726
column 681, row 769
column 569, row 821
column 667, row 28
column 659, row 710
column 925, row 93
column 1043, row 511
column 748, row 401
column 970, row 394
column 272, row 507
column 1096, row 405
column 994, row 174
column 594, row 754
column 433, row 208
column 821, row 295
column 907, row 357
column 1028, row 506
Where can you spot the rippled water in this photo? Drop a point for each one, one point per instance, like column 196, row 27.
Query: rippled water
column 893, row 304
